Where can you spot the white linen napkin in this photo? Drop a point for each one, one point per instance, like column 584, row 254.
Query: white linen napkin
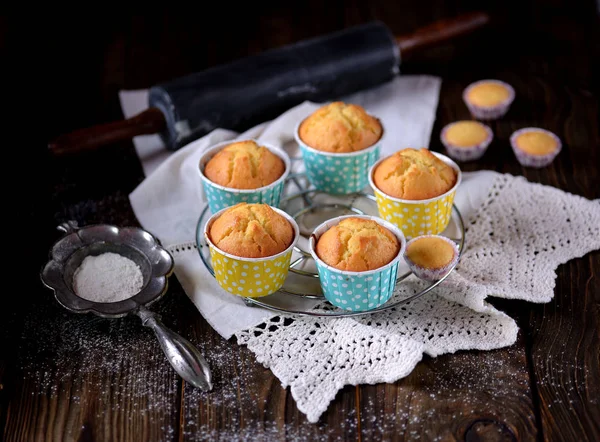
column 169, row 201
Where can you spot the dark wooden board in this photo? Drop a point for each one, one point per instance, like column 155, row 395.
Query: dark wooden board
column 566, row 354
column 565, row 334
column 66, row 377
column 464, row 396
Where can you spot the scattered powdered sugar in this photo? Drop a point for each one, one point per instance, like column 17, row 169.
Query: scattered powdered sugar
column 112, row 370
column 108, row 277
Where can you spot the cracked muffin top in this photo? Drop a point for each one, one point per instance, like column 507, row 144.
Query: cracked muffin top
column 244, row 165
column 414, row 174
column 251, row 231
column 357, row 245
column 340, row 128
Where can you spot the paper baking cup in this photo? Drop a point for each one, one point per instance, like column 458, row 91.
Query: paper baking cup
column 417, row 217
column 432, row 275
column 357, row 291
column 220, row 197
column 489, row 112
column 529, row 160
column 338, row 173
column 250, row 277
column 468, row 153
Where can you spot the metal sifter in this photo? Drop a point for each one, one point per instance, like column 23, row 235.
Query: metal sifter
column 156, row 265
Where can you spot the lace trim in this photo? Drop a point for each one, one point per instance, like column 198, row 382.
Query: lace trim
column 176, row 249
column 515, row 242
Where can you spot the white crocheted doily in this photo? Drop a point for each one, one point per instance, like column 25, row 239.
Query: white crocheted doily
column 515, row 242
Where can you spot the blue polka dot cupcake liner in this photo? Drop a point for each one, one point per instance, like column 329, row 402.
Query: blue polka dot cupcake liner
column 357, row 291
column 220, row 197
column 338, row 173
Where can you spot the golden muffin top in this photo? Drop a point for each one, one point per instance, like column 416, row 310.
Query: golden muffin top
column 244, row 165
column 357, row 245
column 340, row 128
column 466, row 133
column 536, row 142
column 414, row 174
column 430, row 252
column 251, row 231
column 488, row 93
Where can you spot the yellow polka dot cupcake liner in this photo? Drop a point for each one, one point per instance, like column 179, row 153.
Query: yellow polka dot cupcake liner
column 417, row 217
column 251, row 277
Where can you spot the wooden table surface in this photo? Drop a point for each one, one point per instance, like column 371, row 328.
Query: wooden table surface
column 73, row 377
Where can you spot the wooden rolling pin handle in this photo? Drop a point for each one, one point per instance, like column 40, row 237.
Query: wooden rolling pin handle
column 440, row 32
column 148, row 122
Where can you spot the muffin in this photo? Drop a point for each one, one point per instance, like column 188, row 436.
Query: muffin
column 535, row 147
column 244, row 165
column 251, row 247
column 357, row 258
column 488, row 99
column 251, row 231
column 339, row 142
column 414, row 174
column 415, row 190
column 237, row 172
column 466, row 140
column 340, row 128
column 430, row 257
column 357, row 245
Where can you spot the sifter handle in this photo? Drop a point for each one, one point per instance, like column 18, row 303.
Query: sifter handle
column 441, row 31
column 148, row 122
column 181, row 354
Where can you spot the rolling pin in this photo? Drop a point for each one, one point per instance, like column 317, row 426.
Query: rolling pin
column 248, row 91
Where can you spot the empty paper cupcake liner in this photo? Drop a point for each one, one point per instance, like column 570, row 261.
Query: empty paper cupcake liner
column 357, row 291
column 470, row 153
column 432, row 275
column 251, row 277
column 338, row 173
column 417, row 217
column 220, row 197
column 489, row 112
column 529, row 160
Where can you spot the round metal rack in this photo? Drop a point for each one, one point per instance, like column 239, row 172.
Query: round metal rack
column 301, row 293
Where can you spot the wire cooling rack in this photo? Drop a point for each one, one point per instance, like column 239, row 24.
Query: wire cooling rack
column 301, row 293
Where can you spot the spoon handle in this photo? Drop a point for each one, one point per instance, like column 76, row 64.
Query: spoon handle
column 182, row 355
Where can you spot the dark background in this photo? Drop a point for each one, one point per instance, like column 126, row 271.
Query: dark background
column 63, row 72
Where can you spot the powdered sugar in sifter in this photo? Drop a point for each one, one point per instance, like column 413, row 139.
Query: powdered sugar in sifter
column 156, row 265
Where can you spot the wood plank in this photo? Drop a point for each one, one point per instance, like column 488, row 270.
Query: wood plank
column 82, row 377
column 53, row 392
column 565, row 336
column 566, row 351
column 566, row 354
column 564, row 333
column 469, row 395
column 248, row 401
column 5, row 390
